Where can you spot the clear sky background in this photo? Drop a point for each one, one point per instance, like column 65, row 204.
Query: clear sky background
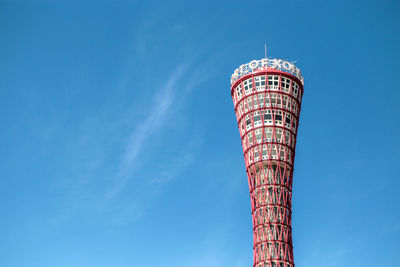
column 119, row 144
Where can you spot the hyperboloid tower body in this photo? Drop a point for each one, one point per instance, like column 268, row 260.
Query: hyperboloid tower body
column 267, row 97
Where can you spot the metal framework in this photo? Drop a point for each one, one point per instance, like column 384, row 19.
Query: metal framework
column 267, row 104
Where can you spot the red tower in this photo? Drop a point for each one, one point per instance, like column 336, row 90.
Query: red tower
column 267, row 97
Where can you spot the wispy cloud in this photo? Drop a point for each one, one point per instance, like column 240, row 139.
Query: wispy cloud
column 159, row 113
column 102, row 173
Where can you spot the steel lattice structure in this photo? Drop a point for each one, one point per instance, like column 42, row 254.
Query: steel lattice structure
column 267, row 98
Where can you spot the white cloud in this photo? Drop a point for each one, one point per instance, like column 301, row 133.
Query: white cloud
column 159, row 113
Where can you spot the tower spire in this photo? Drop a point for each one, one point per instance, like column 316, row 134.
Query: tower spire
column 265, row 50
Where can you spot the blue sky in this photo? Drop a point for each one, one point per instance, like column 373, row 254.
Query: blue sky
column 119, row 145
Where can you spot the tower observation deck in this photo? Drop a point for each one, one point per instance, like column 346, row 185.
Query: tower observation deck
column 267, row 97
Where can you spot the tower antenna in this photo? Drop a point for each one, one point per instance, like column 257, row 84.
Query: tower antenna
column 265, row 50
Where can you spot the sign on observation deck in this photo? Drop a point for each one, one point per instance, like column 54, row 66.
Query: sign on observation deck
column 274, row 63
